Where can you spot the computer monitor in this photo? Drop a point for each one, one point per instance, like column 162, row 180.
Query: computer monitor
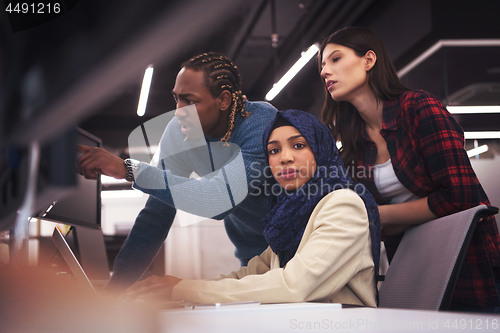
column 31, row 179
column 82, row 207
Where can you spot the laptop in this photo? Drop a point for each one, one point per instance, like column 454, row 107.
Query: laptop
column 70, row 259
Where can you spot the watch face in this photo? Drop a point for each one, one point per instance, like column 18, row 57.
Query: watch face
column 132, row 163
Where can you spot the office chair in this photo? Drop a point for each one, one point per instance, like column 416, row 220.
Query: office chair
column 426, row 265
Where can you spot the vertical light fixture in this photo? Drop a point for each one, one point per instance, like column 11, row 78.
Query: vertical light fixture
column 146, row 85
column 304, row 59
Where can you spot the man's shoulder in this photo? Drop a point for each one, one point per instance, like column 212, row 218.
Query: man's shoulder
column 249, row 131
column 261, row 114
column 263, row 109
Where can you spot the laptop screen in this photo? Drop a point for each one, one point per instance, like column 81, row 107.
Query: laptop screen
column 70, row 259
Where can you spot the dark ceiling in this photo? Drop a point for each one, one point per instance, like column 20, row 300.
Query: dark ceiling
column 98, row 50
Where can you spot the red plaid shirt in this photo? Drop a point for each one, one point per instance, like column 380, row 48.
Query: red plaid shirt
column 426, row 145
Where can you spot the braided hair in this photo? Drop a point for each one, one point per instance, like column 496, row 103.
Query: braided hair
column 221, row 74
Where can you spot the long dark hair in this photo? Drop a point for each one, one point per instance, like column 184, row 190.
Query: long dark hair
column 221, row 74
column 342, row 118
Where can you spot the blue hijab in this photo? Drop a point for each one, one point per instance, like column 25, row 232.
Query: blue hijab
column 289, row 211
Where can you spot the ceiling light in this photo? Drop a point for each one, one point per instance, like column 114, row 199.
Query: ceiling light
column 446, row 43
column 473, row 109
column 146, row 84
column 482, row 135
column 304, row 59
column 477, row 150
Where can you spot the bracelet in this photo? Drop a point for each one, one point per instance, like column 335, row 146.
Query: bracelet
column 132, row 168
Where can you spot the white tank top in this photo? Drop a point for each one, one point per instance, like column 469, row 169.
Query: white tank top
column 389, row 186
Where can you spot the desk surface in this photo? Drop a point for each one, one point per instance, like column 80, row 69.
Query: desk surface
column 316, row 317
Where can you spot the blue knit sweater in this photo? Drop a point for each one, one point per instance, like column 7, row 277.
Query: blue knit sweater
column 230, row 187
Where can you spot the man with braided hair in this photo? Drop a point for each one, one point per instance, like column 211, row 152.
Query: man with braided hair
column 231, row 127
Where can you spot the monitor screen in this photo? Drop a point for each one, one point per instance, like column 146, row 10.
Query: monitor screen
column 82, row 206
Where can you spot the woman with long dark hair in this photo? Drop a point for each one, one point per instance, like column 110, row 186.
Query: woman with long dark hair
column 408, row 150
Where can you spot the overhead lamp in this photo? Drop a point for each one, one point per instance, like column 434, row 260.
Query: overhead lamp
column 473, row 109
column 482, row 135
column 478, row 150
column 446, row 43
column 146, row 85
column 303, row 60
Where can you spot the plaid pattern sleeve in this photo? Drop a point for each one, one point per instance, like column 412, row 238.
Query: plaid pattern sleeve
column 442, row 146
column 426, row 145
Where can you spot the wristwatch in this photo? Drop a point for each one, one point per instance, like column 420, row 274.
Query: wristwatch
column 132, row 168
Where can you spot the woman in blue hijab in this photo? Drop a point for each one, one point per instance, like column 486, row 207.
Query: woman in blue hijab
column 289, row 213
column 322, row 228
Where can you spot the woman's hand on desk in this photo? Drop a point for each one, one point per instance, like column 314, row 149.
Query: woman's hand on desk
column 97, row 160
column 154, row 288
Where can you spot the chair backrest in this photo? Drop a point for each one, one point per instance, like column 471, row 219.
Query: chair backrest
column 425, row 267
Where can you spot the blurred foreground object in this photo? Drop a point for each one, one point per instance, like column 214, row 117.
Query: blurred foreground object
column 34, row 300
